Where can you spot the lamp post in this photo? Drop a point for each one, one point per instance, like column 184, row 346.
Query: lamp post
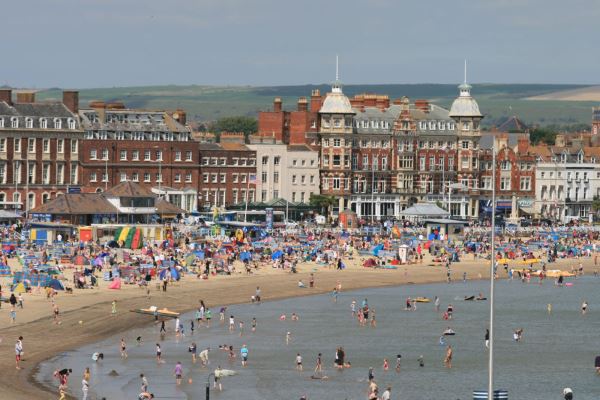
column 207, row 393
column 492, row 270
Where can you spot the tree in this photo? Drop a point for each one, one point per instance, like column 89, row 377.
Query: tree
column 248, row 125
column 544, row 135
column 323, row 201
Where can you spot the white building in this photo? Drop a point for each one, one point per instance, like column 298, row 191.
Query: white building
column 286, row 172
column 567, row 180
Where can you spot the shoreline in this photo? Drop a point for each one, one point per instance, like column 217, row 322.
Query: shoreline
column 43, row 340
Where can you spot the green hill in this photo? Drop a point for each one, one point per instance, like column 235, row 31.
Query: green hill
column 205, row 103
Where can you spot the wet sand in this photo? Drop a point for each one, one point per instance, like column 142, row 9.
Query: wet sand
column 44, row 339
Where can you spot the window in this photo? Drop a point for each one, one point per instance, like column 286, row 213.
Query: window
column 105, row 154
column 60, row 174
column 146, row 177
column 294, row 162
column 28, row 123
column 93, row 154
column 432, row 163
column 135, row 155
column 244, row 178
column 14, row 122
column 464, row 162
column 336, row 160
column 275, row 194
column 188, row 155
column 104, row 177
column 302, row 197
column 93, row 177
column 276, row 177
column 147, row 155
column 57, row 123
column 74, row 146
column 158, row 177
column 205, row 178
column 464, row 144
column 123, row 177
column 294, row 179
column 17, row 145
column 71, row 123
column 135, row 177
column 31, row 145
column 265, row 160
column 303, row 179
column 312, row 179
column 214, row 178
column 223, row 178
column 336, row 183
column 74, row 174
column 326, row 161
column 158, row 155
column 293, row 197
column 450, row 163
column 505, row 183
column 276, row 160
column 177, row 178
column 337, row 142
column 422, row 163
column 188, row 177
column 46, row 145
column 263, row 195
column 525, row 183
column 486, row 182
column 178, row 155
column 325, row 142
column 264, row 176
column 1, row 122
column 31, row 173
column 2, row 145
column 123, row 155
column 505, row 165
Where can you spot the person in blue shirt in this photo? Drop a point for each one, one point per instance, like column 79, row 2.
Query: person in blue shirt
column 244, row 354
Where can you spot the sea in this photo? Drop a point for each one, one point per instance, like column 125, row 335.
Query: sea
column 557, row 349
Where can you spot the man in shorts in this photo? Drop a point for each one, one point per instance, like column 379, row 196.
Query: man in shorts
column 244, row 354
column 298, row 362
column 19, row 351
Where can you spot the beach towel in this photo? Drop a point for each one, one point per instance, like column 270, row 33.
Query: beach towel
column 115, row 284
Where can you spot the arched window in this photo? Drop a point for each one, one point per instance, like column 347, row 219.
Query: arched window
column 57, row 123
column 14, row 122
column 71, row 123
column 43, row 123
column 28, row 123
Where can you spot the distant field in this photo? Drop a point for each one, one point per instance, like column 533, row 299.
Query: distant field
column 590, row 93
column 206, row 103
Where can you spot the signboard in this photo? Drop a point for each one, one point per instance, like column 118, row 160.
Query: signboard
column 74, row 189
column 525, row 202
column 269, row 218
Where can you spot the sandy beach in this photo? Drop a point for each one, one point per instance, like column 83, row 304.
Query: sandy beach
column 44, row 339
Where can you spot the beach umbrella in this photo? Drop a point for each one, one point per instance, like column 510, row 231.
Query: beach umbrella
column 277, row 254
column 80, row 260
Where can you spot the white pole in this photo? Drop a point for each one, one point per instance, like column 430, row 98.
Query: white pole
column 106, row 173
column 373, row 191
column 27, row 193
column 443, row 177
column 492, row 265
column 247, row 197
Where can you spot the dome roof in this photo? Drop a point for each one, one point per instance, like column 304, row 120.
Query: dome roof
column 465, row 105
column 336, row 102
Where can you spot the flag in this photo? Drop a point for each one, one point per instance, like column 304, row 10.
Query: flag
column 253, row 180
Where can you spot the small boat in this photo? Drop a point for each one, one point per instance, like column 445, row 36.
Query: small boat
column 481, row 298
column 422, row 300
column 449, row 332
column 154, row 311
column 469, row 298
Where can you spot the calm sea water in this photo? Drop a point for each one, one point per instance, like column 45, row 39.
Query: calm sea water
column 557, row 350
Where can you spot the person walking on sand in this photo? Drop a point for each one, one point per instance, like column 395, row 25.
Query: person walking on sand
column 55, row 312
column 448, row 359
column 114, row 308
column 19, row 351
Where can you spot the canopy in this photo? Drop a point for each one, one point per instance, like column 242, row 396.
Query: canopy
column 56, row 284
column 424, row 210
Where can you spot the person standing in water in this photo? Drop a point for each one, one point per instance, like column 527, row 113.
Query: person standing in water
column 448, row 359
column 436, row 302
column 123, row 348
column 487, row 338
column 319, row 364
column 398, row 357
column 158, row 353
column 584, row 307
column 178, row 373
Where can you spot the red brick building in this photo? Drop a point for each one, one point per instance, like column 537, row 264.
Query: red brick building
column 515, row 173
column 39, row 147
column 152, row 148
column 225, row 173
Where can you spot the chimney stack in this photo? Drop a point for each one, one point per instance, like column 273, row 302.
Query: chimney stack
column 422, row 105
column 315, row 101
column 302, row 104
column 180, row 116
column 71, row 100
column 277, row 104
column 25, row 97
column 6, row 96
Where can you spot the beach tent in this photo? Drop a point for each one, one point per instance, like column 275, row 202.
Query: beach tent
column 245, row 255
column 20, row 288
column 56, row 284
column 377, row 249
column 80, row 260
column 115, row 284
column 277, row 254
column 175, row 273
column 369, row 263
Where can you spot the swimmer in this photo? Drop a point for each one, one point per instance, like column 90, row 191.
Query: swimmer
column 158, row 353
column 294, row 317
column 123, row 348
column 584, row 307
column 282, row 317
column 398, row 357
column 139, row 340
column 254, row 324
column 442, row 341
column 97, row 356
column 421, row 361
column 386, row 365
column 288, row 337
column 298, row 362
column 319, row 364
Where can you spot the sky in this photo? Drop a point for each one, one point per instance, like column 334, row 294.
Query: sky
column 107, row 43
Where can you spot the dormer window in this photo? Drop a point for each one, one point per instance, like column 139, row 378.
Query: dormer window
column 337, row 122
column 441, row 126
column 423, row 125
column 563, row 158
column 450, row 126
column 28, row 123
column 1, row 122
column 57, row 123
column 326, row 122
column 71, row 123
column 432, row 125
column 365, row 124
column 580, row 157
column 43, row 123
column 465, row 126
column 14, row 122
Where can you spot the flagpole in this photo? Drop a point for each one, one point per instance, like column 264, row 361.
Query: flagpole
column 492, row 266
column 247, row 198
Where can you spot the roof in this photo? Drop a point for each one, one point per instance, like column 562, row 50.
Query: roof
column 4, row 214
column 130, row 120
column 424, row 210
column 299, row 147
column 446, row 221
column 336, row 102
column 234, row 146
column 465, row 105
column 209, row 146
column 48, row 110
column 487, row 139
column 164, row 207
column 513, row 124
column 129, row 189
column 76, row 204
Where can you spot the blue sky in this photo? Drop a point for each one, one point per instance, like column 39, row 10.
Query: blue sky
column 104, row 43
